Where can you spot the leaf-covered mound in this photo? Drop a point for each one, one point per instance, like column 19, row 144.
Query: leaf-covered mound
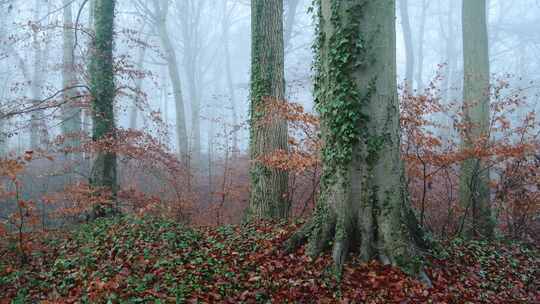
column 127, row 260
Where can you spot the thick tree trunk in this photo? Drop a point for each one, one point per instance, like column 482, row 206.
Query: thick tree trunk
column 363, row 205
column 268, row 197
column 409, row 48
column 71, row 114
column 161, row 10
column 474, row 179
column 102, row 87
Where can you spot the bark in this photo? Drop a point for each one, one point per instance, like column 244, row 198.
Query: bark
column 71, row 114
column 363, row 206
column 104, row 172
column 474, row 178
column 161, row 8
column 268, row 195
column 409, row 48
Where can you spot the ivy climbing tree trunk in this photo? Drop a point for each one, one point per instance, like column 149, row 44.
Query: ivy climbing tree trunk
column 268, row 197
column 102, row 87
column 363, row 205
column 71, row 114
column 474, row 179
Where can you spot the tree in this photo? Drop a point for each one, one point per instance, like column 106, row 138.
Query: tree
column 190, row 17
column 268, row 197
column 363, row 202
column 409, row 50
column 421, row 33
column 38, row 129
column 226, row 24
column 71, row 114
column 158, row 16
column 474, row 178
column 292, row 6
column 161, row 9
column 103, row 93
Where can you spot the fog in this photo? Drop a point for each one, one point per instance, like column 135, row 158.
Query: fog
column 201, row 30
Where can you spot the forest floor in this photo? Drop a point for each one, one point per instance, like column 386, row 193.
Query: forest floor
column 128, row 260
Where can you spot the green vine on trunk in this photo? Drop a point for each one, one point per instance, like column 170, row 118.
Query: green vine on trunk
column 339, row 105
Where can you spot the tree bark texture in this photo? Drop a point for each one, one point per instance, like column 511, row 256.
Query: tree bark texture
column 102, row 87
column 474, row 178
column 268, row 197
column 363, row 206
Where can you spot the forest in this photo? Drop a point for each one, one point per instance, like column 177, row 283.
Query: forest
column 269, row 151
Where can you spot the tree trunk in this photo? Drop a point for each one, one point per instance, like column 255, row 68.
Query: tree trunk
column 409, row 48
column 37, row 129
column 268, row 197
column 102, row 87
column 71, row 114
column 421, row 32
column 292, row 6
column 134, row 113
column 86, row 120
column 474, row 179
column 363, row 206
column 195, row 105
column 161, row 10
column 229, row 79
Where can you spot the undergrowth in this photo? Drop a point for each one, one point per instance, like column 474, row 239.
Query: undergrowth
column 131, row 260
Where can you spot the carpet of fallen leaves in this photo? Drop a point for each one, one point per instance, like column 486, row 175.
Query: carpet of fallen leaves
column 128, row 260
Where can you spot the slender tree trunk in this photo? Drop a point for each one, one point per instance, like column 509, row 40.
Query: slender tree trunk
column 161, row 9
column 292, row 7
column 409, row 48
column 4, row 15
column 229, row 79
column 474, row 179
column 363, row 204
column 422, row 32
column 86, row 120
column 195, row 103
column 36, row 123
column 449, row 88
column 71, row 114
column 268, row 197
column 104, row 172
column 134, row 113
